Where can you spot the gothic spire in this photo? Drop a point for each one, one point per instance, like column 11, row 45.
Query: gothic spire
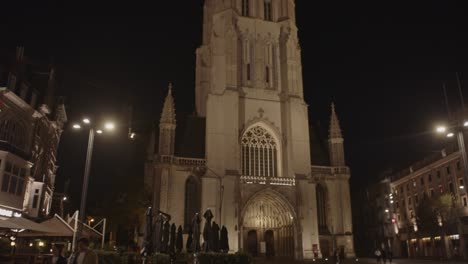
column 335, row 130
column 168, row 112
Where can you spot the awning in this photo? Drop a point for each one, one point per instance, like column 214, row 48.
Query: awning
column 55, row 226
column 22, row 223
column 4, row 224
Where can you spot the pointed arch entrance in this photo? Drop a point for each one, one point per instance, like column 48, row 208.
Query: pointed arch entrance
column 271, row 218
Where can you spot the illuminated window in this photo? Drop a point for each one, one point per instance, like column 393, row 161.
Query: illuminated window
column 13, row 179
column 13, row 133
column 259, row 153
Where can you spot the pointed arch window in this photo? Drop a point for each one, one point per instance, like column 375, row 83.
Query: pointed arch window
column 321, row 209
column 245, row 7
column 259, row 153
column 192, row 201
column 267, row 10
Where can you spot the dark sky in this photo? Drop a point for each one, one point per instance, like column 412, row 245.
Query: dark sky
column 382, row 62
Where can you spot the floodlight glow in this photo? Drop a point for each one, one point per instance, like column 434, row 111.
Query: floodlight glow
column 109, row 126
column 462, row 187
column 76, row 126
column 465, row 124
column 99, row 131
column 86, row 121
column 450, row 135
column 441, row 129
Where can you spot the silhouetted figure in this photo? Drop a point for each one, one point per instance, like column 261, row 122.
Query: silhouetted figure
column 158, row 230
column 224, row 241
column 215, row 234
column 188, row 245
column 179, row 240
column 196, row 233
column 165, row 239
column 207, row 233
column 172, row 239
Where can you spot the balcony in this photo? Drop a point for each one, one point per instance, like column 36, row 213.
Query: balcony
column 181, row 161
column 279, row 181
column 324, row 170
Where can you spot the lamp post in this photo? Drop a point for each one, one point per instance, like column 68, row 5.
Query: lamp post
column 86, row 122
column 457, row 130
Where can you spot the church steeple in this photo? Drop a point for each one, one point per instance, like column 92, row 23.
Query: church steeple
column 335, row 140
column 167, row 125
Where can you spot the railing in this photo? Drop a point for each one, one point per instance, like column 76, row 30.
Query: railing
column 282, row 181
column 323, row 170
column 182, row 161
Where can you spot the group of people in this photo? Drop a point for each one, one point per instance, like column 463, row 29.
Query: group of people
column 382, row 255
column 84, row 255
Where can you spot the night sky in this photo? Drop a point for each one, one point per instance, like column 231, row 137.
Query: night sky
column 382, row 62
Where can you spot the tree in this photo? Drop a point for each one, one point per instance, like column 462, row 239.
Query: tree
column 426, row 216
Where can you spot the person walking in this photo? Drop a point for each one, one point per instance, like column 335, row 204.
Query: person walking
column 57, row 257
column 384, row 256
column 337, row 256
column 378, row 255
column 390, row 256
column 84, row 255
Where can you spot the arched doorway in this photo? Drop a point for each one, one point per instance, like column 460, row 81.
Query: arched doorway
column 273, row 219
column 252, row 243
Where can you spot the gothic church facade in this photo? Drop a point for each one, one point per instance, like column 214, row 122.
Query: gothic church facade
column 254, row 169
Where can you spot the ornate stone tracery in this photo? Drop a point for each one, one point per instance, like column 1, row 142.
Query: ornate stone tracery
column 259, row 153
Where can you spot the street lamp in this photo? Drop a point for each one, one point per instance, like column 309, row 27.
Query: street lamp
column 458, row 128
column 92, row 130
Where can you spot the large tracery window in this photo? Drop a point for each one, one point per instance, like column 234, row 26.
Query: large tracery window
column 259, row 153
column 192, row 201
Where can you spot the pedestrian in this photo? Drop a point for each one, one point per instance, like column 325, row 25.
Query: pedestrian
column 84, row 255
column 384, row 256
column 57, row 257
column 390, row 255
column 337, row 256
column 378, row 255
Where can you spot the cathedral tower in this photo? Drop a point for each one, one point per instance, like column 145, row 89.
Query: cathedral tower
column 256, row 174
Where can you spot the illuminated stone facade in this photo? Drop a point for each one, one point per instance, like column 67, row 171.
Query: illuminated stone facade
column 255, row 170
column 30, row 130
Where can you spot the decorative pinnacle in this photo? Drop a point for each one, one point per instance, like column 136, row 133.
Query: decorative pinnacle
column 335, row 130
column 168, row 112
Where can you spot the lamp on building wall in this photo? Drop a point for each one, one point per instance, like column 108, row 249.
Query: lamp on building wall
column 86, row 123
